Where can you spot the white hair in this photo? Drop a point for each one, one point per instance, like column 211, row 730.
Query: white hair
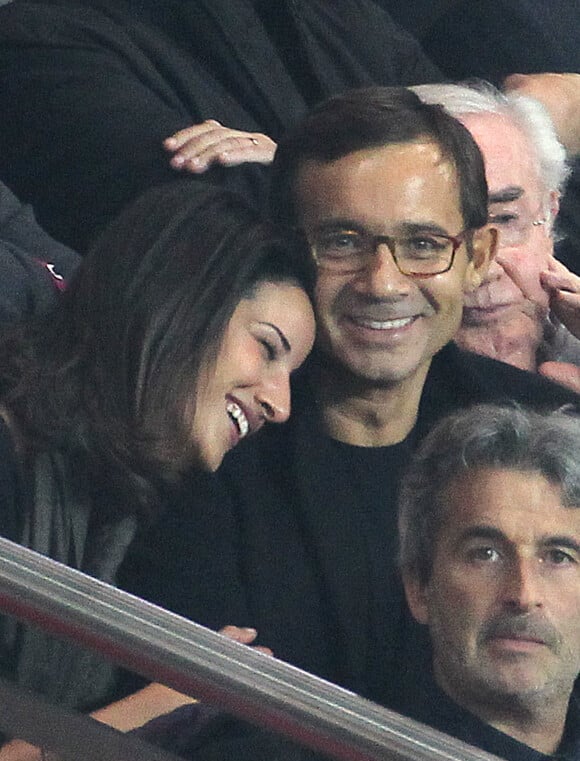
column 525, row 112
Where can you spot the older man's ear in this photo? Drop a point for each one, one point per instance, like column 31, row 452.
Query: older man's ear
column 483, row 250
column 554, row 205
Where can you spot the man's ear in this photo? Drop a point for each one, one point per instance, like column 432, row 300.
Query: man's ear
column 416, row 594
column 553, row 209
column 483, row 249
column 554, row 203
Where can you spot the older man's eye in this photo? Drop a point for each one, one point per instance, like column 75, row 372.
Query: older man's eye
column 503, row 220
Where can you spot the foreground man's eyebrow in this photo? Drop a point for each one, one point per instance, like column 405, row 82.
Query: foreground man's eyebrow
column 563, row 541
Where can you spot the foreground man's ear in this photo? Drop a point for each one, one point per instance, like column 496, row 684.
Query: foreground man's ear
column 416, row 594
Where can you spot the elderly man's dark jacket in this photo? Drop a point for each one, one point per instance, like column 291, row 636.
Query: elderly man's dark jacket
column 296, row 535
column 89, row 89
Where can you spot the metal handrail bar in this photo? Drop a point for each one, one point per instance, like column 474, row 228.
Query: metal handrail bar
column 192, row 659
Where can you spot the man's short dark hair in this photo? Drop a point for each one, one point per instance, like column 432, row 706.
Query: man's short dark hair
column 484, row 436
column 371, row 118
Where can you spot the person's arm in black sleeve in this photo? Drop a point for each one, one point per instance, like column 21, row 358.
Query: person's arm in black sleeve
column 86, row 103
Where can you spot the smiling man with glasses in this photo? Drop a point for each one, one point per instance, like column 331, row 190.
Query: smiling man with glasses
column 296, row 535
column 398, row 230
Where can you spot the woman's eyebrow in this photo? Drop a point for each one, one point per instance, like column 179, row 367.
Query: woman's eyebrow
column 283, row 339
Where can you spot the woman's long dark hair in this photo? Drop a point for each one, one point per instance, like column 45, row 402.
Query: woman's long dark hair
column 109, row 376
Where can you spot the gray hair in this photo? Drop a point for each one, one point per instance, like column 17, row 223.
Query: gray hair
column 525, row 112
column 483, row 436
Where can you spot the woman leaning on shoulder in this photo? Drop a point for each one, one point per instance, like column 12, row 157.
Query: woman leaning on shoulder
column 175, row 340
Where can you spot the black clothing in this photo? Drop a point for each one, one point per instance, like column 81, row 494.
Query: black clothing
column 89, row 90
column 10, row 487
column 33, row 266
column 417, row 16
column 568, row 222
column 427, row 703
column 296, row 536
column 494, row 38
column 203, row 733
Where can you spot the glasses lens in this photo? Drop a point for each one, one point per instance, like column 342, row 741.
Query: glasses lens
column 349, row 251
column 341, row 249
column 424, row 254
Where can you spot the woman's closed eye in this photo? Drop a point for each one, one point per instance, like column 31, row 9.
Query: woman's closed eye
column 269, row 348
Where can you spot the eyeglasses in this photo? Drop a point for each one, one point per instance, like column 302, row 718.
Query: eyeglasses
column 515, row 225
column 422, row 254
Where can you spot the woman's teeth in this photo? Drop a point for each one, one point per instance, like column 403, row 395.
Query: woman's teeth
column 237, row 415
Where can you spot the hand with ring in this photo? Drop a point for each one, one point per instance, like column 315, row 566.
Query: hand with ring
column 196, row 148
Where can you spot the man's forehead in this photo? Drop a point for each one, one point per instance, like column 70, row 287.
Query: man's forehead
column 424, row 152
column 510, row 158
column 398, row 179
column 504, row 496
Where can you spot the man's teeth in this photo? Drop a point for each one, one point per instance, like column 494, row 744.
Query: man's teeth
column 237, row 415
column 401, row 322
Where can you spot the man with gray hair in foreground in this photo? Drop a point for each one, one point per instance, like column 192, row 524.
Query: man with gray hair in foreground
column 489, row 529
column 515, row 315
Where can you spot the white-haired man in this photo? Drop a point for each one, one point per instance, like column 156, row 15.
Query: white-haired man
column 513, row 315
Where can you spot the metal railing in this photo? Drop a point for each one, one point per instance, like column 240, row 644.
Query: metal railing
column 192, row 659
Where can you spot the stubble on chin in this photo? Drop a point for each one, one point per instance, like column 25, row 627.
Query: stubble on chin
column 515, row 341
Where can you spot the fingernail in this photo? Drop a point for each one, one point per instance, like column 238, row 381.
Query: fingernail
column 177, row 161
column 195, row 163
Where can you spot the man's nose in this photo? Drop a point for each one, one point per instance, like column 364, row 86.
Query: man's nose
column 381, row 276
column 523, row 584
column 273, row 397
column 495, row 271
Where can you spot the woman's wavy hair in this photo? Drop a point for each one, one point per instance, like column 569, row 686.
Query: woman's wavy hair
column 111, row 373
